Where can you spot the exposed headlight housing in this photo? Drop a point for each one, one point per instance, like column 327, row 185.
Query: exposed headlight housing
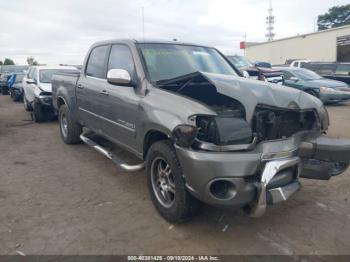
column 324, row 117
column 223, row 130
column 184, row 135
column 327, row 90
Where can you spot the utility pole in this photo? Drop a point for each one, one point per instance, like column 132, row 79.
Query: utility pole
column 270, row 21
column 143, row 23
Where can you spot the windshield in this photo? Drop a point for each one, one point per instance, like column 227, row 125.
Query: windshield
column 19, row 78
column 305, row 74
column 239, row 61
column 167, row 61
column 45, row 75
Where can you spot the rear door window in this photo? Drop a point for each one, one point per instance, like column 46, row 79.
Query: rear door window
column 96, row 63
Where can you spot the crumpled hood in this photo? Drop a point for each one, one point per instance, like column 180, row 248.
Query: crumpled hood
column 251, row 92
column 46, row 87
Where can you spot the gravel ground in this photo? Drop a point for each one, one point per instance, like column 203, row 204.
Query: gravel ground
column 60, row 199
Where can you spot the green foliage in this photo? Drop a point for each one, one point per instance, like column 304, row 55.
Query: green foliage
column 1, row 63
column 335, row 17
column 32, row 61
column 8, row 61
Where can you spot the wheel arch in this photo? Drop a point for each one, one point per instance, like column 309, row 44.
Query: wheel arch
column 152, row 136
column 61, row 101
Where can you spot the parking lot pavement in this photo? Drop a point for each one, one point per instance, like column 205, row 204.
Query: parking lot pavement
column 60, row 199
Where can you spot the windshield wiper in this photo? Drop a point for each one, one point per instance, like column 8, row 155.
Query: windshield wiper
column 176, row 79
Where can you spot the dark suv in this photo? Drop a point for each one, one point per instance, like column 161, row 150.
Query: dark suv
column 336, row 71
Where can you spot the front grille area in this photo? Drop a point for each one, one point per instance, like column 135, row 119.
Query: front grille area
column 275, row 123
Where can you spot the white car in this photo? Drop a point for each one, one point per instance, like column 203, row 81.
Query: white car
column 37, row 90
column 299, row 63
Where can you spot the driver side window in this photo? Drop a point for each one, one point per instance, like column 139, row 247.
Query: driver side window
column 121, row 58
column 34, row 76
column 31, row 73
column 287, row 75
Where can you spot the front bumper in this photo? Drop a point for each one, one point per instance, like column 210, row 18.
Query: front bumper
column 266, row 175
column 45, row 100
column 334, row 96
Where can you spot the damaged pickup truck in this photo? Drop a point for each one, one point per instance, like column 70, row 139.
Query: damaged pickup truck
column 202, row 131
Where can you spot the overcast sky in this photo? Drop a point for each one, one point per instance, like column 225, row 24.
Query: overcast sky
column 60, row 31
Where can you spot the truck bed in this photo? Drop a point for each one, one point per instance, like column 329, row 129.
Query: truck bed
column 63, row 83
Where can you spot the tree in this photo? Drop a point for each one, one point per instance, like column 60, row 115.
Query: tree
column 31, row 61
column 335, row 17
column 8, row 61
column 1, row 63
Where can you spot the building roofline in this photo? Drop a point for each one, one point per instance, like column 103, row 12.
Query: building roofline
column 251, row 44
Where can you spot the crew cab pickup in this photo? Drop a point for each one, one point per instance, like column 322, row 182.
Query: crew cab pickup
column 202, row 131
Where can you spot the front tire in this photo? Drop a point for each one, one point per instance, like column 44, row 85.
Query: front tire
column 38, row 113
column 70, row 130
column 15, row 96
column 167, row 185
column 26, row 105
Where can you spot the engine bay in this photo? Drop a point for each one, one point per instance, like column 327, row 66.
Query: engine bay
column 230, row 126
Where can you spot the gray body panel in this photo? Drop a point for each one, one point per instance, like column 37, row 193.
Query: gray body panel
column 125, row 115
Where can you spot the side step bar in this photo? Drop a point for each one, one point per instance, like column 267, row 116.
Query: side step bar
column 116, row 160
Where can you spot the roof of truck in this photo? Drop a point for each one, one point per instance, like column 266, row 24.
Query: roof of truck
column 145, row 41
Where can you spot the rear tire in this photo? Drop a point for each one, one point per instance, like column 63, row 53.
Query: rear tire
column 38, row 113
column 70, row 130
column 4, row 90
column 168, row 191
column 15, row 96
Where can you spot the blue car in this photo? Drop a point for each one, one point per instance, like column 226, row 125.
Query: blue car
column 15, row 86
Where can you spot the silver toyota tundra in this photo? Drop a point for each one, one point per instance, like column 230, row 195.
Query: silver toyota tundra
column 202, row 131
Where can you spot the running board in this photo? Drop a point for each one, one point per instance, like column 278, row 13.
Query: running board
column 116, row 160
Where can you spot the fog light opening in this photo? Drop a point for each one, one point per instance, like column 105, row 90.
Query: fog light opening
column 222, row 189
column 338, row 168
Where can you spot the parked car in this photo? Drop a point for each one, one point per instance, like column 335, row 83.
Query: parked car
column 257, row 71
column 37, row 90
column 16, row 90
column 6, row 72
column 203, row 132
column 262, row 64
column 3, row 82
column 335, row 71
column 299, row 63
column 327, row 90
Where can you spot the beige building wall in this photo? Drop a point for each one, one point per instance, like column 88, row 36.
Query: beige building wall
column 318, row 46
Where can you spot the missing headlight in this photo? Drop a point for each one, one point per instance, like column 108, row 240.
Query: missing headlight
column 223, row 130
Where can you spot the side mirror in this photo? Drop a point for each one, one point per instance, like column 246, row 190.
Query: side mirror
column 294, row 79
column 245, row 74
column 31, row 81
column 118, row 77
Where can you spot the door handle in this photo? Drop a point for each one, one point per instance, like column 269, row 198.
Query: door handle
column 80, row 86
column 104, row 92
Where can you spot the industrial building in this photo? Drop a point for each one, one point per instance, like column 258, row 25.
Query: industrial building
column 327, row 46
